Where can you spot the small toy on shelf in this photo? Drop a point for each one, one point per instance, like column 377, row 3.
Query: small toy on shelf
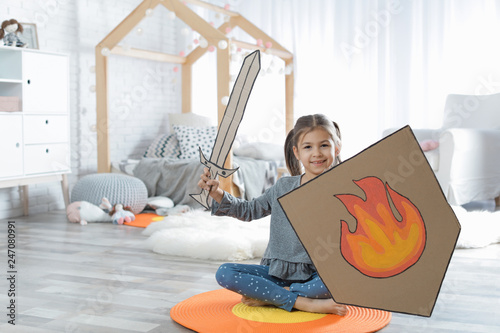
column 8, row 32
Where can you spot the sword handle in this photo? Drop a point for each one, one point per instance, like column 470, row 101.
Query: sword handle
column 215, row 170
column 202, row 198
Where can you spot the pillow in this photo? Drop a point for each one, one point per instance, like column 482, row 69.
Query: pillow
column 160, row 202
column 428, row 145
column 188, row 119
column 190, row 138
column 261, row 151
column 164, row 146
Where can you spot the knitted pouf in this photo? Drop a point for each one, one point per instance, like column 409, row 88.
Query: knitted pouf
column 117, row 188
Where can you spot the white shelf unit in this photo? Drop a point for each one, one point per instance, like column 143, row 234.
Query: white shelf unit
column 34, row 140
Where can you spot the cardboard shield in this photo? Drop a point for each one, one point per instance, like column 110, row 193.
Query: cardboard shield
column 377, row 227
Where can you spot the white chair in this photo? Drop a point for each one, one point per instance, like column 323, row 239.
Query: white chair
column 467, row 160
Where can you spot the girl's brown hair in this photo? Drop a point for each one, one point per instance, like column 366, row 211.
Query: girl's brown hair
column 304, row 125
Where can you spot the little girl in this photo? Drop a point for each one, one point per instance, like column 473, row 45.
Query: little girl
column 286, row 277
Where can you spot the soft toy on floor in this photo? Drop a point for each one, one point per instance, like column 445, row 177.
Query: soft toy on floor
column 120, row 214
column 83, row 212
column 165, row 206
column 177, row 210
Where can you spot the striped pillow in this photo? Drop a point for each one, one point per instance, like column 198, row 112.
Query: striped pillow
column 165, row 145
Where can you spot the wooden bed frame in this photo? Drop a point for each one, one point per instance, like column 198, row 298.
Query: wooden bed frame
column 212, row 35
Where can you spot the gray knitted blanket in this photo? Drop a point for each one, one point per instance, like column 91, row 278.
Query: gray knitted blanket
column 176, row 179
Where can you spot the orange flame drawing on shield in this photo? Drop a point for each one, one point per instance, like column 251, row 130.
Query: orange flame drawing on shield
column 381, row 246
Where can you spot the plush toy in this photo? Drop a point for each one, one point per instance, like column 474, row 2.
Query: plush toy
column 83, row 212
column 165, row 206
column 9, row 31
column 120, row 214
column 428, row 145
column 177, row 210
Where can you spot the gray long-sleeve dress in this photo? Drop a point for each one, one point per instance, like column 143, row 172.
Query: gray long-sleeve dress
column 286, row 257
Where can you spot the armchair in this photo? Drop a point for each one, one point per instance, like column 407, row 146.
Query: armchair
column 467, row 159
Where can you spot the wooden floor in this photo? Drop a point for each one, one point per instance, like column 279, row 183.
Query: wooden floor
column 98, row 278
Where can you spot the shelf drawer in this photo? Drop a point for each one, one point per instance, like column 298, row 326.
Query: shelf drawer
column 45, row 83
column 10, row 104
column 46, row 158
column 11, row 145
column 45, row 129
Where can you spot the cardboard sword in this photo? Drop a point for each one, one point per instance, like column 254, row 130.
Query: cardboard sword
column 230, row 123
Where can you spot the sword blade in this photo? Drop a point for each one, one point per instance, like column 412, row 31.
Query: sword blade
column 235, row 108
column 230, row 123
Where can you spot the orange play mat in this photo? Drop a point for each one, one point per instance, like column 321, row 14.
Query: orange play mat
column 221, row 311
column 144, row 219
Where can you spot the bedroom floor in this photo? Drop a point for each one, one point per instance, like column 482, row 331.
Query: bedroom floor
column 98, row 278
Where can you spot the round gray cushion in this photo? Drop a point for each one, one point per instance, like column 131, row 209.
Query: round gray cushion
column 117, row 188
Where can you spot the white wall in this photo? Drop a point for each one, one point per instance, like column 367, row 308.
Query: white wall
column 141, row 92
column 264, row 119
column 373, row 65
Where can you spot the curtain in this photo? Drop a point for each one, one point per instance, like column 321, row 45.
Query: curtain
column 372, row 65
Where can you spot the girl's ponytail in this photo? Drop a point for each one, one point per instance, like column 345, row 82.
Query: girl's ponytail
column 292, row 164
column 337, row 137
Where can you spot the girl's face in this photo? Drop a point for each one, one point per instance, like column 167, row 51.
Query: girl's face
column 316, row 151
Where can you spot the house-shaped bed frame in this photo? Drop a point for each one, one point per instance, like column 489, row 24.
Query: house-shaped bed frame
column 212, row 35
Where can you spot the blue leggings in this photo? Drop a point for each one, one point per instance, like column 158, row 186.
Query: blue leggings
column 255, row 282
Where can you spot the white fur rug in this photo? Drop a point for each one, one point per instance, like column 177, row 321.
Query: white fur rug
column 478, row 228
column 197, row 234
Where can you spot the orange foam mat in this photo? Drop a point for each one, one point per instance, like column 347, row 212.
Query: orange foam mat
column 144, row 219
column 221, row 311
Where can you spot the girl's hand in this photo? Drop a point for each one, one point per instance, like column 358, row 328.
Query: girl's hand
column 210, row 185
column 206, row 183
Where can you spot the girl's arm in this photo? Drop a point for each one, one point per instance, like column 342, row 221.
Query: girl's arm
column 227, row 205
